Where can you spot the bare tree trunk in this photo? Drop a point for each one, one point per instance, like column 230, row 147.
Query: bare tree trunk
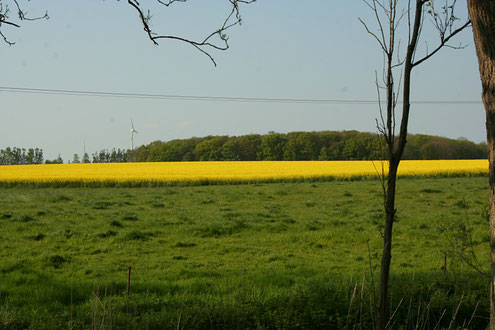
column 386, row 15
column 395, row 151
column 387, row 242
column 482, row 14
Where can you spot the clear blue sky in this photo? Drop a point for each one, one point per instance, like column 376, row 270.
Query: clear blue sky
column 284, row 49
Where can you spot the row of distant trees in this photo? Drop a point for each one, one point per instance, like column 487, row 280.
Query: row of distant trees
column 105, row 156
column 21, row 156
column 326, row 145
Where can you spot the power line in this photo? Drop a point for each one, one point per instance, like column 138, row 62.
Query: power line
column 211, row 98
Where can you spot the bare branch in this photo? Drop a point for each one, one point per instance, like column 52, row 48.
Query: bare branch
column 380, row 126
column 232, row 19
column 373, row 35
column 461, row 46
column 170, row 2
column 444, row 43
column 10, row 23
column 21, row 16
column 380, row 39
column 205, row 46
column 144, row 19
column 6, row 40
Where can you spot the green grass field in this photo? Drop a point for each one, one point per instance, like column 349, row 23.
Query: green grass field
column 278, row 255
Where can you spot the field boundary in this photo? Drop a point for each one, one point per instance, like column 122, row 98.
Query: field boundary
column 213, row 182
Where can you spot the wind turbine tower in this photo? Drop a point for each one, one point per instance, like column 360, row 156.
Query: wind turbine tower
column 132, row 135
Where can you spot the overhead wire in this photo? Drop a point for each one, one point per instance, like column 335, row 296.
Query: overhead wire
column 179, row 97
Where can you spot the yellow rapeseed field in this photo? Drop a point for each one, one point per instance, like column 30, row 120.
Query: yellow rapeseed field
column 229, row 171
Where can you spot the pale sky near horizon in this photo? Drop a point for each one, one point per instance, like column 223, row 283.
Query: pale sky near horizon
column 284, row 49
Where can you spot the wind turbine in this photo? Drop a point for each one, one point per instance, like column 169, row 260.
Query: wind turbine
column 132, row 135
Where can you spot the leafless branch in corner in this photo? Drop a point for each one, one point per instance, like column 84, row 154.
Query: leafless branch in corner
column 208, row 43
column 444, row 21
column 443, row 43
column 22, row 15
column 216, row 40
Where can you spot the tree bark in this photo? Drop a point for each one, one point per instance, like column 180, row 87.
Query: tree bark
column 482, row 14
column 387, row 242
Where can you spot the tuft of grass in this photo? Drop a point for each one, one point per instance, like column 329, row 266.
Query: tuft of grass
column 38, row 237
column 281, row 193
column 211, row 231
column 338, row 223
column 67, row 233
column 462, row 204
column 207, row 201
column 310, row 204
column 56, row 261
column 26, row 218
column 137, row 235
column 313, row 225
column 116, row 223
column 157, row 205
column 130, row 217
column 108, row 233
column 59, row 198
column 431, row 191
column 185, row 244
column 102, row 205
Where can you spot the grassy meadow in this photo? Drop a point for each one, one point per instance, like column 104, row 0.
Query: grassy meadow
column 266, row 255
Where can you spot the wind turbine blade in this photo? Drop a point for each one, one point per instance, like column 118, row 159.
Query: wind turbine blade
column 132, row 124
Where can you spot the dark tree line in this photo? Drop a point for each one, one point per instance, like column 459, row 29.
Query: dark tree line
column 114, row 156
column 326, row 145
column 105, row 156
column 21, row 156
